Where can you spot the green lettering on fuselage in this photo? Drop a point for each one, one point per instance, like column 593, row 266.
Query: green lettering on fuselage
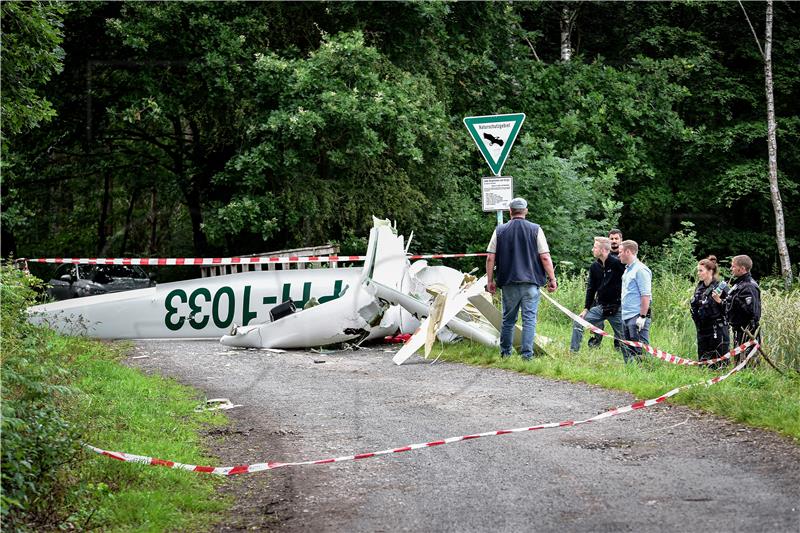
column 247, row 314
column 172, row 310
column 223, row 305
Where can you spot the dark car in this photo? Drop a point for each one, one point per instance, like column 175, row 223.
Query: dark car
column 74, row 281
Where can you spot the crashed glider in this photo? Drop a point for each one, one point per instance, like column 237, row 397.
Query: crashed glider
column 334, row 305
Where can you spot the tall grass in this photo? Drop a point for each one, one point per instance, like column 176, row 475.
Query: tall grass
column 780, row 326
column 673, row 329
column 756, row 396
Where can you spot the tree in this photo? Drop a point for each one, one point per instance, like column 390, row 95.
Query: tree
column 772, row 144
column 334, row 138
column 30, row 55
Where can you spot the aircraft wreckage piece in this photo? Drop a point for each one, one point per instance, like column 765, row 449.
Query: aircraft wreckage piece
column 460, row 327
column 208, row 307
column 453, row 305
column 198, row 308
column 355, row 314
column 347, row 318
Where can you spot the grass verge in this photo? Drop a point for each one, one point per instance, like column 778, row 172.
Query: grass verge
column 757, row 397
column 123, row 410
column 60, row 391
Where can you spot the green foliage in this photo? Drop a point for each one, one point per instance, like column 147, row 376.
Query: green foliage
column 566, row 197
column 36, row 439
column 260, row 126
column 676, row 256
column 350, row 135
column 31, row 54
column 59, row 391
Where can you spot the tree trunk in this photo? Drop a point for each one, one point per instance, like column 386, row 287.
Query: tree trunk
column 153, row 218
column 196, row 216
column 772, row 146
column 102, row 235
column 128, row 217
column 567, row 22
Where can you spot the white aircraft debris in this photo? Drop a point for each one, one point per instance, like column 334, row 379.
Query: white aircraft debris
column 286, row 309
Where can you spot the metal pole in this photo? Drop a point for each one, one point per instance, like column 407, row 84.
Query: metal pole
column 499, row 218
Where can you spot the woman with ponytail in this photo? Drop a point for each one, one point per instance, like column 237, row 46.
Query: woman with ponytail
column 709, row 315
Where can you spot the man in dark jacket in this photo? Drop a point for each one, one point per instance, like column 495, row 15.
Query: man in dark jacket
column 603, row 291
column 520, row 251
column 615, row 236
column 743, row 303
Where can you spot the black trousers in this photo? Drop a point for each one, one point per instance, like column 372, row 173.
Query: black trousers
column 712, row 342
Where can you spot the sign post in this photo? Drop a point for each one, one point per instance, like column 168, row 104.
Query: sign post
column 495, row 135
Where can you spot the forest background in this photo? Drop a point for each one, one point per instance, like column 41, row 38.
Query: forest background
column 189, row 129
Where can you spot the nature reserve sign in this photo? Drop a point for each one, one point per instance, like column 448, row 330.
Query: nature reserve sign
column 495, row 135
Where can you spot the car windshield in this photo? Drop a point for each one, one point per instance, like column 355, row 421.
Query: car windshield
column 104, row 272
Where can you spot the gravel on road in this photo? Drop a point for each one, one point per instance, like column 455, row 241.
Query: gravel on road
column 666, row 468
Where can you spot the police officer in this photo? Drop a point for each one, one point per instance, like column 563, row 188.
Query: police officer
column 708, row 315
column 743, row 303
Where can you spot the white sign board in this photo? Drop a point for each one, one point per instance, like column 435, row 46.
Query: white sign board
column 497, row 192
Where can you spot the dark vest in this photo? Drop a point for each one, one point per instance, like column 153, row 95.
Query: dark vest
column 516, row 255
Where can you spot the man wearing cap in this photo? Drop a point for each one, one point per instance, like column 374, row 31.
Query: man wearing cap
column 519, row 250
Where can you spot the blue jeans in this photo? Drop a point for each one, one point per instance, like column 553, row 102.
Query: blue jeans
column 632, row 333
column 516, row 296
column 595, row 317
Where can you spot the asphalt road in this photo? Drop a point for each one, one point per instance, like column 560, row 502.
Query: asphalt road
column 666, row 468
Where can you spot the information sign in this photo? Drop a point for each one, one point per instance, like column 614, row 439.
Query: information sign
column 497, row 192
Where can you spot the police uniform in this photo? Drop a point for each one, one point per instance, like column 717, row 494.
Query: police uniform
column 743, row 308
column 709, row 319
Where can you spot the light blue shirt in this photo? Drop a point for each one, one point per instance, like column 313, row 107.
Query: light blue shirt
column 636, row 282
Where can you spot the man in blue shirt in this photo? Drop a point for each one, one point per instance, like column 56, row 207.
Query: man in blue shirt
column 637, row 296
column 519, row 249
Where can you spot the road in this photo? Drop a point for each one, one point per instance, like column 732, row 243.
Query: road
column 666, row 468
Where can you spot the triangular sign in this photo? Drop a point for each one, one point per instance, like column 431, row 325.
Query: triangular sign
column 495, row 135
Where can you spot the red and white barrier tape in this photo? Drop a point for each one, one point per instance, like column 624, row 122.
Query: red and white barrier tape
column 655, row 352
column 260, row 467
column 221, row 261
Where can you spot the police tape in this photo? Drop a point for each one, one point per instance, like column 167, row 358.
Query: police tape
column 655, row 352
column 224, row 261
column 272, row 465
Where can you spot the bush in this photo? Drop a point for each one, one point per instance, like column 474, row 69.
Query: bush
column 677, row 255
column 37, row 442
